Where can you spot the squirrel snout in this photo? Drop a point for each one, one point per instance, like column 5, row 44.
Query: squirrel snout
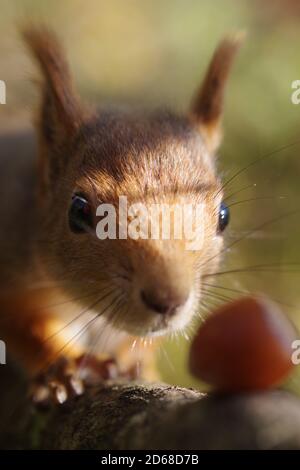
column 163, row 304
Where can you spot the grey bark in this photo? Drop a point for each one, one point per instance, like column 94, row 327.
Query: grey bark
column 148, row 416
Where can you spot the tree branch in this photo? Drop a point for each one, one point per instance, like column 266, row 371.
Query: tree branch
column 149, row 416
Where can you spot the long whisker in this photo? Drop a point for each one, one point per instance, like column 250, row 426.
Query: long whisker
column 81, row 331
column 162, row 349
column 264, row 225
column 245, row 292
column 97, row 339
column 256, row 268
column 240, row 190
column 255, row 162
column 249, row 233
column 256, row 199
column 87, row 309
column 113, row 319
column 217, row 296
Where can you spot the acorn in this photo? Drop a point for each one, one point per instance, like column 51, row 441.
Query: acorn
column 245, row 345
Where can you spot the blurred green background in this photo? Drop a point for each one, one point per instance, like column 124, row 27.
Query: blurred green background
column 154, row 53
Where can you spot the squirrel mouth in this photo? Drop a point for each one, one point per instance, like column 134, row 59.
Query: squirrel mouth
column 144, row 322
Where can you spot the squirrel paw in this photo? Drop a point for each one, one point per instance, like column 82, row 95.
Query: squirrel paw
column 67, row 378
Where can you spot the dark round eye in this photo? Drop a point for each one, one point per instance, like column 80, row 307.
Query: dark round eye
column 224, row 217
column 80, row 215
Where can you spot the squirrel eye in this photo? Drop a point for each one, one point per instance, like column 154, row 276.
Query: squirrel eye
column 80, row 216
column 224, row 217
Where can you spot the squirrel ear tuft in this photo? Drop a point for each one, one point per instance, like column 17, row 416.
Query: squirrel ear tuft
column 207, row 107
column 61, row 113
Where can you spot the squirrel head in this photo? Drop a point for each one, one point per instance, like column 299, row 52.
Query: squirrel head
column 90, row 160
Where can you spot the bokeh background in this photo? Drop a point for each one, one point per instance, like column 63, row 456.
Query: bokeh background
column 153, row 53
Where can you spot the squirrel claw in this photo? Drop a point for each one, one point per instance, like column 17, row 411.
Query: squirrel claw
column 57, row 384
column 93, row 370
column 67, row 378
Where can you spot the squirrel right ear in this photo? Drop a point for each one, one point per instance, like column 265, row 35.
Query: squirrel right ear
column 207, row 108
column 61, row 113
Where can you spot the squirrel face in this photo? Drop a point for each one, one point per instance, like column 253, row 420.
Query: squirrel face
column 142, row 285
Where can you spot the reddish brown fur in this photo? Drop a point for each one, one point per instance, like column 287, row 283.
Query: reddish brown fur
column 58, row 85
column 153, row 157
column 207, row 107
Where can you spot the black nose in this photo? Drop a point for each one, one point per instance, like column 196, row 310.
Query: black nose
column 162, row 306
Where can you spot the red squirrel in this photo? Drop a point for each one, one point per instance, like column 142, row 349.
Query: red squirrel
column 61, row 287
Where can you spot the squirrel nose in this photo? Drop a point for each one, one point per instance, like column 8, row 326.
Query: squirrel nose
column 160, row 304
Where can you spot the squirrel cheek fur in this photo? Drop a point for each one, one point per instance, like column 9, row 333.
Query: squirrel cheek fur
column 157, row 157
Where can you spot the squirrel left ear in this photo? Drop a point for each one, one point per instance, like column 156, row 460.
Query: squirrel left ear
column 207, row 107
column 61, row 112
